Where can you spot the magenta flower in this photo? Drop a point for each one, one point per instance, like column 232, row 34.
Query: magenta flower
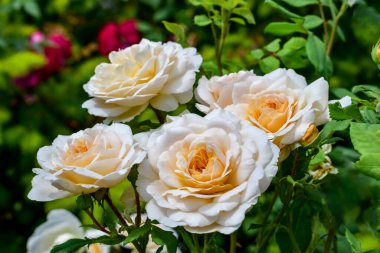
column 113, row 36
column 56, row 49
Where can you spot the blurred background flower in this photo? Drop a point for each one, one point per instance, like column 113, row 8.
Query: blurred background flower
column 56, row 49
column 114, row 36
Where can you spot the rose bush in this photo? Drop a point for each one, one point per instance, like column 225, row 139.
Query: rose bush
column 97, row 157
column 161, row 75
column 280, row 103
column 205, row 173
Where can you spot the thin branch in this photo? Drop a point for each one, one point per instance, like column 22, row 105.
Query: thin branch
column 114, row 210
column 330, row 44
column 96, row 222
column 138, row 208
column 233, row 239
column 325, row 27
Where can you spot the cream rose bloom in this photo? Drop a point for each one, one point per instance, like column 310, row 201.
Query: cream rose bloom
column 61, row 226
column 205, row 173
column 280, row 103
column 161, row 75
column 98, row 157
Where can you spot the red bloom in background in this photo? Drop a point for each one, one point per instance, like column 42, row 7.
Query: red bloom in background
column 113, row 36
column 56, row 49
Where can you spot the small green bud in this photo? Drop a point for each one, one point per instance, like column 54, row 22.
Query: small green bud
column 376, row 53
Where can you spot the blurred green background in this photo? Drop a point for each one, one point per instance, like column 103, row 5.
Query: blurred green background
column 41, row 87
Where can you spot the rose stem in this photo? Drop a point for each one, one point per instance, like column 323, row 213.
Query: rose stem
column 138, row 208
column 160, row 117
column 271, row 205
column 196, row 242
column 233, row 238
column 91, row 215
column 121, row 219
column 114, row 210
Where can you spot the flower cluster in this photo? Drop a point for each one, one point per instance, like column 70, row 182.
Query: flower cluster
column 56, row 49
column 202, row 173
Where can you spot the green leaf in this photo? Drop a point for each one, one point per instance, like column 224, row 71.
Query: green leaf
column 302, row 224
column 273, row 46
column 288, row 13
column 369, row 116
column 163, row 237
column 341, row 92
column 300, row 3
column 295, row 43
column 133, row 174
column 73, row 244
column 365, row 137
column 283, row 28
column 328, row 130
column 186, row 238
column 316, row 52
column 136, row 233
column 5, row 115
column 269, row 64
column 196, row 2
column 238, row 20
column 283, row 241
column 349, row 112
column 354, row 243
column 21, row 63
column 369, row 164
column 245, row 13
column 317, row 159
column 177, row 29
column 369, row 90
column 84, row 201
column 257, row 54
column 293, row 53
column 312, row 21
column 366, row 140
column 31, row 7
column 201, row 20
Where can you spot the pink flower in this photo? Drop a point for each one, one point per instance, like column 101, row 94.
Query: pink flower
column 56, row 49
column 113, row 36
column 56, row 52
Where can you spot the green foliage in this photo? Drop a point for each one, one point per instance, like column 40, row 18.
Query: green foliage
column 354, row 243
column 316, row 52
column 366, row 140
column 284, row 28
column 74, row 244
column 21, row 63
column 163, row 237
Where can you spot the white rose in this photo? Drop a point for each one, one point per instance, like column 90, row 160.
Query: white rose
column 98, row 157
column 205, row 173
column 60, row 226
column 280, row 103
column 161, row 75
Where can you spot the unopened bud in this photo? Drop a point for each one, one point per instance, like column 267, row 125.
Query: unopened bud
column 376, row 53
column 310, row 135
